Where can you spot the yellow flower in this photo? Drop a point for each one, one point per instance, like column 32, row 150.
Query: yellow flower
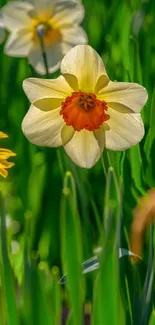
column 56, row 21
column 83, row 110
column 4, row 155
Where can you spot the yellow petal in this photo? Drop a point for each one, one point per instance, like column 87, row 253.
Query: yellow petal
column 125, row 130
column 3, row 135
column 6, row 164
column 43, row 128
column 84, row 149
column 85, row 63
column 72, row 81
column 121, row 95
column 36, row 89
column 3, row 172
column 6, row 153
column 100, row 137
column 67, row 133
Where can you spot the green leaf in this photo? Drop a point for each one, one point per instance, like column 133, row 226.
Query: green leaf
column 107, row 303
column 152, row 318
column 36, row 308
column 71, row 248
column 135, row 159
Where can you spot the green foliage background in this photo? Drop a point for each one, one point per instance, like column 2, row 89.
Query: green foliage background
column 57, row 216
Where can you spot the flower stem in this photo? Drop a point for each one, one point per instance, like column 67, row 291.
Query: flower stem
column 40, row 33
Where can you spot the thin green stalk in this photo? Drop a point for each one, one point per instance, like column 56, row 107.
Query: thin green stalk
column 41, row 33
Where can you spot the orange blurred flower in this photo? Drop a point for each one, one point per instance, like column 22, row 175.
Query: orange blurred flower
column 144, row 214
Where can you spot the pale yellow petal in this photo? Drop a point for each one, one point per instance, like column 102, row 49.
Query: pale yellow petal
column 83, row 149
column 124, row 130
column 102, row 82
column 85, row 63
column 36, row 88
column 19, row 43
column 48, row 104
column 67, row 13
column 100, row 137
column 15, row 15
column 72, row 81
column 43, row 128
column 124, row 95
column 67, row 133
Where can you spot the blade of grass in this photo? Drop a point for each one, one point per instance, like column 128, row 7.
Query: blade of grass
column 108, row 307
column 152, row 318
column 71, row 247
column 36, row 308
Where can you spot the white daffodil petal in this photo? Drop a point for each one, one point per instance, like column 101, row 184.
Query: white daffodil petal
column 36, row 88
column 124, row 94
column 43, row 128
column 67, row 13
column 42, row 9
column 19, row 43
column 67, row 133
column 83, row 149
column 53, row 54
column 15, row 15
column 74, row 35
column 85, row 63
column 125, row 130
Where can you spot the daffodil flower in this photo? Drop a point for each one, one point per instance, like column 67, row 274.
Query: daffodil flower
column 54, row 22
column 83, row 110
column 4, row 155
column 2, row 32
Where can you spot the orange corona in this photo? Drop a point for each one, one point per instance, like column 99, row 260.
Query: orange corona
column 84, row 111
column 50, row 35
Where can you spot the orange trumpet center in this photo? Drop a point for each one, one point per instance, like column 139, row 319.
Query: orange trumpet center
column 44, row 30
column 84, row 111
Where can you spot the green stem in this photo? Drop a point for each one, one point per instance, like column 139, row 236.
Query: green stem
column 40, row 33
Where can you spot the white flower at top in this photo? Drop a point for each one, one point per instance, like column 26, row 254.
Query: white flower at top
column 83, row 110
column 57, row 21
column 2, row 31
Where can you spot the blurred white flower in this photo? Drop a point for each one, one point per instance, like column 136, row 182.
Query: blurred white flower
column 83, row 110
column 15, row 247
column 55, row 21
column 2, row 31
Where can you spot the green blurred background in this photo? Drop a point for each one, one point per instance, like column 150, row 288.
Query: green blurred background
column 122, row 32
